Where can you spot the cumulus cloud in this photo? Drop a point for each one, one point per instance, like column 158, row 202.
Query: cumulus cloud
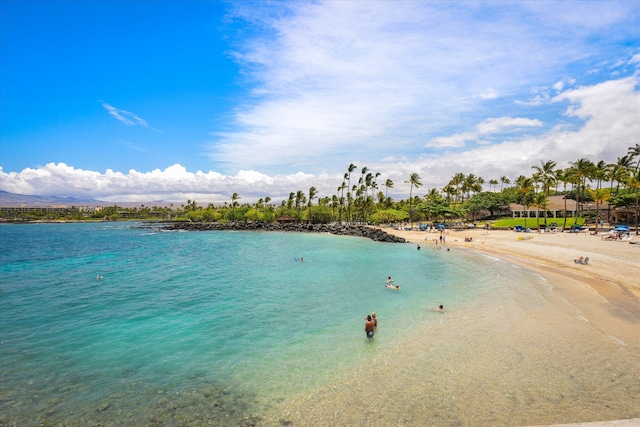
column 608, row 126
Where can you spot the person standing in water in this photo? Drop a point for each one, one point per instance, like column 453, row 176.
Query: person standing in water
column 369, row 327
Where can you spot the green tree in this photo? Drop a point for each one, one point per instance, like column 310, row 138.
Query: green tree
column 541, row 202
column 546, row 172
column 583, row 170
column 414, row 181
column 599, row 195
column 234, row 203
column 634, row 180
column 524, row 189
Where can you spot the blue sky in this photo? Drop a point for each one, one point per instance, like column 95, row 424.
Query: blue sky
column 161, row 100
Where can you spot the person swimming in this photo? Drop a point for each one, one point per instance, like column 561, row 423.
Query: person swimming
column 395, row 287
column 439, row 309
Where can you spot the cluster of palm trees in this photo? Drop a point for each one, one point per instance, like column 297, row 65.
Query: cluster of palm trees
column 359, row 196
column 625, row 172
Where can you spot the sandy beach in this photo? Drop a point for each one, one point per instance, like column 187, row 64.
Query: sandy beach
column 614, row 264
column 566, row 352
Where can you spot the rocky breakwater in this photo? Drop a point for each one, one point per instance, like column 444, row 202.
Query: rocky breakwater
column 337, row 229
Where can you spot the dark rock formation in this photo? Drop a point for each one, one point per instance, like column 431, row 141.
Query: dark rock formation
column 337, row 229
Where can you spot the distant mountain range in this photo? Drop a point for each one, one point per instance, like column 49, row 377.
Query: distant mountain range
column 16, row 200
column 12, row 199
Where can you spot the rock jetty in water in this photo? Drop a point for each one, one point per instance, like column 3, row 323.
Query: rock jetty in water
column 337, row 229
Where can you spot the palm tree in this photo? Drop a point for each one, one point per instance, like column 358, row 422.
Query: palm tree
column 493, row 182
column 541, row 201
column 634, row 180
column 471, row 184
column 583, row 170
column 290, row 201
column 312, row 195
column 299, row 200
column 234, row 202
column 504, row 181
column 351, row 168
column 414, row 181
column 524, row 187
column 564, row 176
column 546, row 174
column 388, row 184
column 457, row 181
column 599, row 195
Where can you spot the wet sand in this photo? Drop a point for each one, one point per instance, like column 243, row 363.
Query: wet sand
column 564, row 351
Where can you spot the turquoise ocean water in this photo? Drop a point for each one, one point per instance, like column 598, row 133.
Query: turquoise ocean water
column 213, row 327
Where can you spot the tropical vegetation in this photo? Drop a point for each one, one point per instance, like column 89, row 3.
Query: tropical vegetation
column 359, row 199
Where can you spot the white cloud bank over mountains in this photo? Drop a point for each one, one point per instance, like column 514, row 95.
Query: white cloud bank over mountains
column 610, row 124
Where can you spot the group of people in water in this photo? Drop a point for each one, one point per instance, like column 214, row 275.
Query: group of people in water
column 371, row 321
column 390, row 284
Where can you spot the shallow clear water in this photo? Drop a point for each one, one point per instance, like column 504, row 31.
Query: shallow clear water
column 226, row 314
column 210, row 327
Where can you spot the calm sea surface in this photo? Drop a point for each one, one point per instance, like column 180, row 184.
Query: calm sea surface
column 118, row 324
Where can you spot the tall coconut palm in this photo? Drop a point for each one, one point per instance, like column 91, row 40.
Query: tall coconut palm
column 546, row 174
column 457, row 181
column 599, row 195
column 234, row 202
column 583, row 170
column 504, row 181
column 565, row 176
column 300, row 199
column 388, row 184
column 493, row 183
column 524, row 187
column 634, row 181
column 351, row 168
column 414, row 181
column 541, row 201
column 313, row 192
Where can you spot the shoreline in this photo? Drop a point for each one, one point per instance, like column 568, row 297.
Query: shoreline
column 612, row 274
column 610, row 264
column 560, row 351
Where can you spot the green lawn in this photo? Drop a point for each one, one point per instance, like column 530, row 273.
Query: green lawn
column 533, row 222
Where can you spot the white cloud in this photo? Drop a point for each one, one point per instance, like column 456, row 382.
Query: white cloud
column 126, row 117
column 430, row 87
column 609, row 112
column 488, row 127
column 558, row 86
column 337, row 80
column 495, row 125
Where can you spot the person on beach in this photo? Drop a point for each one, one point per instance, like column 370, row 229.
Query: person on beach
column 374, row 317
column 369, row 327
column 418, row 247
